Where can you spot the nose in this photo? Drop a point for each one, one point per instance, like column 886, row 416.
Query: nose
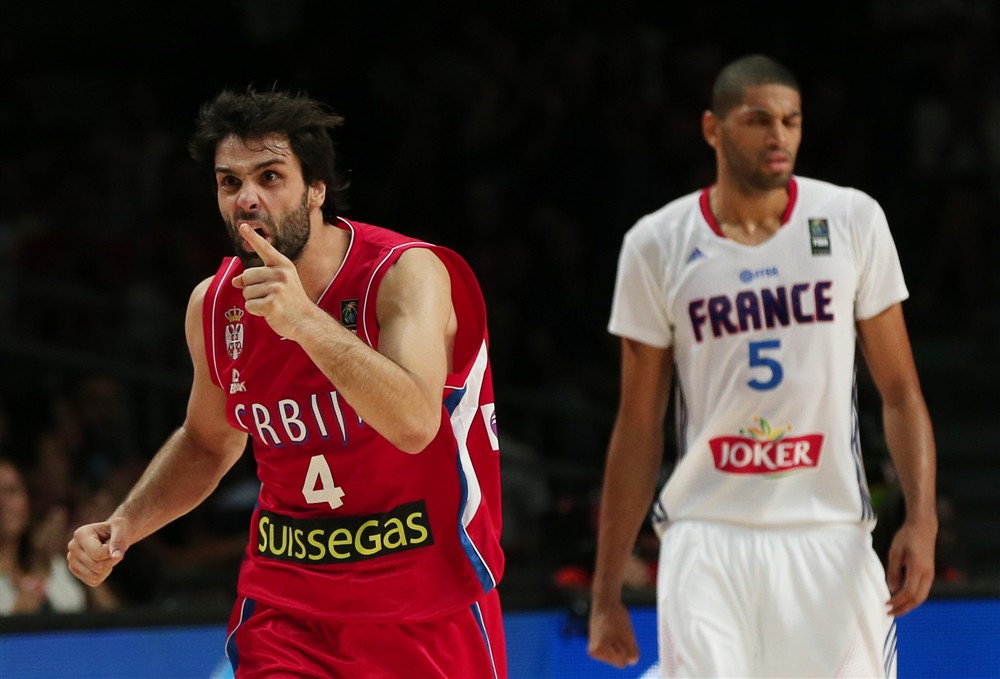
column 779, row 133
column 248, row 200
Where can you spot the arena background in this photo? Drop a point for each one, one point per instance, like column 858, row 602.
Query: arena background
column 528, row 137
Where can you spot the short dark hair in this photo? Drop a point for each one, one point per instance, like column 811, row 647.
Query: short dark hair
column 308, row 124
column 736, row 76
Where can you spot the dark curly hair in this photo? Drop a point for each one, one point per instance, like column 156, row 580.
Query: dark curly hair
column 308, row 124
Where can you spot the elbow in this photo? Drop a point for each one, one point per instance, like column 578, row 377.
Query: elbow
column 417, row 435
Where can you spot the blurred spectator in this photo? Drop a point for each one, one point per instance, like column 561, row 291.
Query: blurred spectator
column 34, row 577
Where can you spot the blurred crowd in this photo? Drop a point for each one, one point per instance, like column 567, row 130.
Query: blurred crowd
column 528, row 143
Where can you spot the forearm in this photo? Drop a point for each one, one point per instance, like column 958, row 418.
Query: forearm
column 376, row 387
column 181, row 475
column 910, row 439
column 630, row 477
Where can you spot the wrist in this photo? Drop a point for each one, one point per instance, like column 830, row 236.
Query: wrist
column 921, row 515
column 606, row 589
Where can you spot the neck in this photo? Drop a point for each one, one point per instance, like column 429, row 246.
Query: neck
column 748, row 215
column 322, row 257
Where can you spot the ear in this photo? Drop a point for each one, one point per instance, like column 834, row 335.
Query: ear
column 317, row 194
column 710, row 128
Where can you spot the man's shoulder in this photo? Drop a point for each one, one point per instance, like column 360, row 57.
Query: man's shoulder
column 847, row 205
column 812, row 191
column 376, row 235
column 678, row 214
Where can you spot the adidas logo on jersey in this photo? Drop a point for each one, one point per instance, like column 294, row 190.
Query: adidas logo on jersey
column 695, row 254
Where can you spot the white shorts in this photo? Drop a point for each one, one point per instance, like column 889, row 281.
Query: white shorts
column 735, row 601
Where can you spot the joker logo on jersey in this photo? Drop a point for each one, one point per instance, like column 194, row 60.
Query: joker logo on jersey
column 766, row 451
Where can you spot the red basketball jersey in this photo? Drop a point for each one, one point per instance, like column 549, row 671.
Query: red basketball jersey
column 347, row 526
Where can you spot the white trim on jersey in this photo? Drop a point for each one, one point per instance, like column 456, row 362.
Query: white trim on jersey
column 350, row 246
column 463, row 417
column 215, row 302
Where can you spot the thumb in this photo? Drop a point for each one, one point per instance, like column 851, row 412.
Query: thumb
column 117, row 544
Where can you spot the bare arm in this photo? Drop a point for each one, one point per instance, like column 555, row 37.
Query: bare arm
column 635, row 454
column 910, row 437
column 181, row 475
column 397, row 389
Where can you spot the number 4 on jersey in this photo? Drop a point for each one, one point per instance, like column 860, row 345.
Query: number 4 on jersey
column 319, row 486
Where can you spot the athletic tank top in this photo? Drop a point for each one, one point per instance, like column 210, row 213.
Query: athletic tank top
column 347, row 526
column 764, row 352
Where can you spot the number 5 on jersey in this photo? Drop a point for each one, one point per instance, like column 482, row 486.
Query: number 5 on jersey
column 319, row 486
column 774, row 372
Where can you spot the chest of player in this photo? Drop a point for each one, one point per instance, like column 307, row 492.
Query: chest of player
column 802, row 276
column 275, row 392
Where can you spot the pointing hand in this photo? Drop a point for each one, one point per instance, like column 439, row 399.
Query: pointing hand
column 273, row 290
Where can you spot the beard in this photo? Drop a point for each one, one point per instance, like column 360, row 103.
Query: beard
column 289, row 233
column 747, row 170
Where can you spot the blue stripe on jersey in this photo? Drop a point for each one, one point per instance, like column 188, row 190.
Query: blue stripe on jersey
column 478, row 615
column 464, row 406
column 680, row 416
column 889, row 651
column 475, row 560
column 232, row 652
column 867, row 509
column 659, row 513
column 453, row 399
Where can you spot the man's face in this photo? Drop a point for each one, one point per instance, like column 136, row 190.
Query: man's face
column 759, row 139
column 260, row 182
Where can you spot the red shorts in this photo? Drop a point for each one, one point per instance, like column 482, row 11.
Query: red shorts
column 264, row 641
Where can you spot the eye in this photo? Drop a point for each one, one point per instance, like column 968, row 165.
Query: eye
column 270, row 176
column 228, row 182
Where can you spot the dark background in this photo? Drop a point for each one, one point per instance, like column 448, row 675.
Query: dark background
column 527, row 137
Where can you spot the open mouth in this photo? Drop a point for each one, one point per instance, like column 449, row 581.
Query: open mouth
column 261, row 231
column 259, row 227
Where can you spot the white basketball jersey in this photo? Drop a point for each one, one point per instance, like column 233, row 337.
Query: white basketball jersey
column 764, row 349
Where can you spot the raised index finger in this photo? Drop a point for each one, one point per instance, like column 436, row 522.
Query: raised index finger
column 268, row 254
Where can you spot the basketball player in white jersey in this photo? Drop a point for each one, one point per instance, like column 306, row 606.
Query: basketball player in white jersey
column 749, row 297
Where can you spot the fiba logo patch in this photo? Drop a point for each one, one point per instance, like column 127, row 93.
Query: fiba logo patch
column 819, row 236
column 349, row 314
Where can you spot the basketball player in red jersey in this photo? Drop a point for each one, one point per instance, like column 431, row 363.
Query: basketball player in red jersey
column 356, row 360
